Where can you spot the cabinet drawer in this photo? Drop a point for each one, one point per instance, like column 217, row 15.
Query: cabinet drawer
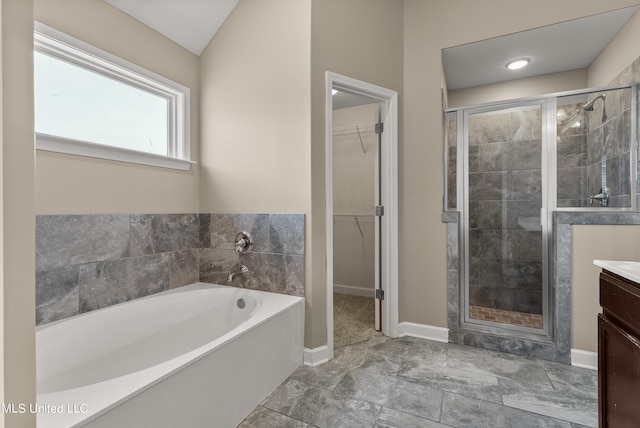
column 620, row 300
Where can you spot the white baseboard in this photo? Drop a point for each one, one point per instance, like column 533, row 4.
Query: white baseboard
column 584, row 359
column 354, row 291
column 316, row 356
column 423, row 331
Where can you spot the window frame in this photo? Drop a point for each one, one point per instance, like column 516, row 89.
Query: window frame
column 59, row 45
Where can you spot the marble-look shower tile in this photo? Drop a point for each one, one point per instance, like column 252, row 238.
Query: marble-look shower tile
column 493, row 156
column 486, row 185
column 473, row 209
column 65, row 240
column 485, row 243
column 524, row 245
column 56, row 294
column 225, row 227
column 526, row 124
column 595, row 143
column 613, row 175
column 489, row 214
column 491, row 297
column 493, row 273
column 571, row 151
column 625, row 174
column 572, row 183
column 320, row 407
column 524, row 154
column 617, row 135
column 461, row 411
column 524, row 185
column 523, row 215
column 159, row 233
column 262, row 417
column 108, row 283
column 490, row 128
column 527, row 301
column 184, row 268
column 473, row 158
column 286, row 233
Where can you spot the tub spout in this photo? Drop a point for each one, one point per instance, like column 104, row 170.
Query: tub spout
column 237, row 270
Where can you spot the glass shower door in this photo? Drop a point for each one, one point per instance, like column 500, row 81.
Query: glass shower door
column 506, row 260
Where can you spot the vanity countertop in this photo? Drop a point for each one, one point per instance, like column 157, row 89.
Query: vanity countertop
column 628, row 270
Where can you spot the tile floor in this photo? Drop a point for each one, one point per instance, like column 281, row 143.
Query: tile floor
column 410, row 382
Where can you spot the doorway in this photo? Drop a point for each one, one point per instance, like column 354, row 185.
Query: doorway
column 356, row 311
column 505, row 212
column 362, row 223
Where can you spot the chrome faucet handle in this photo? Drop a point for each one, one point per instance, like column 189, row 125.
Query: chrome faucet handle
column 603, row 197
column 243, row 242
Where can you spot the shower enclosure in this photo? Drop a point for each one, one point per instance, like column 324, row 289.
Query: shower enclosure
column 509, row 166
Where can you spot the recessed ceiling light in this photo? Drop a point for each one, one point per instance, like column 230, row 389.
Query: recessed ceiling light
column 517, row 64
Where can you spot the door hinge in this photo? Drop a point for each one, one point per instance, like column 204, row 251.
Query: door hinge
column 379, row 211
column 379, row 128
column 379, row 293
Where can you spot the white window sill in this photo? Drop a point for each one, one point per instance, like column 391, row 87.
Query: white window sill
column 82, row 148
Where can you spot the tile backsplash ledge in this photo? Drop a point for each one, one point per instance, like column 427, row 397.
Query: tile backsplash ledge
column 87, row 262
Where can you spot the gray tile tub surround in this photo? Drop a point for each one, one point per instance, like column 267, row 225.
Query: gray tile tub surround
column 276, row 262
column 86, row 262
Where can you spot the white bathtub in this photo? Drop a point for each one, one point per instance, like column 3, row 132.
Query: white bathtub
column 186, row 357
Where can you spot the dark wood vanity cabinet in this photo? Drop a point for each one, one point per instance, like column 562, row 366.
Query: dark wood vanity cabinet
column 619, row 352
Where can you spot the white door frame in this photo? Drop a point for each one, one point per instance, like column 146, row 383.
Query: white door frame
column 389, row 186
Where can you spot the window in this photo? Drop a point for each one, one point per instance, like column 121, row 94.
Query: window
column 91, row 103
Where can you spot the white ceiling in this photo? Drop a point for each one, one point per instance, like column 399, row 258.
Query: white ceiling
column 190, row 23
column 571, row 45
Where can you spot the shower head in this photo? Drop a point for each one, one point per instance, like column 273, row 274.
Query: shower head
column 589, row 105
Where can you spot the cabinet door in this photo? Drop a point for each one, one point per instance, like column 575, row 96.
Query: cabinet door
column 618, row 376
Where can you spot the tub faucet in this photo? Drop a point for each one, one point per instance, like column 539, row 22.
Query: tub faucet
column 603, row 197
column 237, row 270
